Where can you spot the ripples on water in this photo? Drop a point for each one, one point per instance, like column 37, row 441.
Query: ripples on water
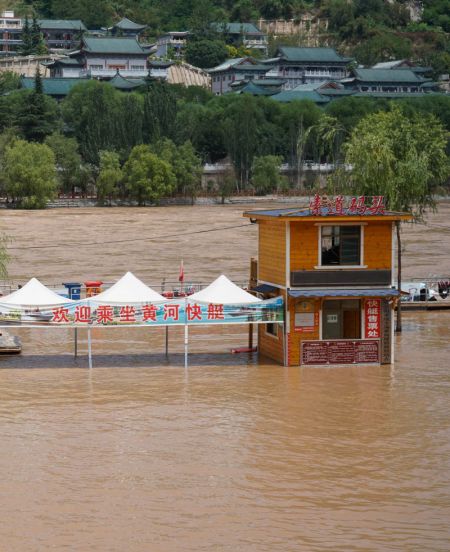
column 139, row 455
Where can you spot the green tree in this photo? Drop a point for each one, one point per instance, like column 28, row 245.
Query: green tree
column 297, row 120
column 110, row 176
column 9, row 81
column 186, row 166
column 93, row 14
column 160, row 112
column 68, row 161
column 147, row 177
column 37, row 40
column 203, row 127
column 243, row 120
column 402, row 159
column 90, row 113
column 205, row 53
column 30, row 174
column 37, row 115
column 266, row 175
column 26, row 48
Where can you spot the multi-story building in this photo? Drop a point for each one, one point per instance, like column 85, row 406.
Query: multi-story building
column 333, row 264
column 243, row 34
column 10, row 32
column 235, row 70
column 126, row 27
column 59, row 34
column 62, row 34
column 307, row 65
column 103, row 58
column 172, row 44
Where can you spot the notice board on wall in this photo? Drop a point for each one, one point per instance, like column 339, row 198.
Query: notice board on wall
column 342, row 351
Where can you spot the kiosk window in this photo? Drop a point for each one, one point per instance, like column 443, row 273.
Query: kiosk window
column 272, row 329
column 341, row 245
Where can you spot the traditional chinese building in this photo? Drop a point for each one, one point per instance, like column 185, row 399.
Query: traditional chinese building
column 333, row 263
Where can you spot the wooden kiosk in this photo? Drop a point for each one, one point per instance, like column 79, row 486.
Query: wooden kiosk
column 333, row 263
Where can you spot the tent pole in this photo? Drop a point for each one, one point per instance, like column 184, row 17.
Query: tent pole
column 75, row 343
column 167, row 341
column 186, row 335
column 186, row 341
column 89, row 348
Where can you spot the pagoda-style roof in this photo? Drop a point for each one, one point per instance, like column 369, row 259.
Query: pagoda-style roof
column 121, row 83
column 126, row 24
column 65, row 62
column 310, row 55
column 111, row 46
column 238, row 28
column 245, row 63
column 387, row 76
column 254, row 90
column 53, row 86
column 287, row 96
column 61, row 24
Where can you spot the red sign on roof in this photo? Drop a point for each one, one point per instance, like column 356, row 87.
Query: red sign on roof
column 340, row 205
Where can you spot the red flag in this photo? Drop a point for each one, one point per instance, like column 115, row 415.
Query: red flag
column 181, row 276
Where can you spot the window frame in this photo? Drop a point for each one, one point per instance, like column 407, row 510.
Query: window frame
column 275, row 326
column 361, row 264
column 361, row 316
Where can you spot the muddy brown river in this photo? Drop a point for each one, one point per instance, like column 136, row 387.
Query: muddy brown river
column 139, row 455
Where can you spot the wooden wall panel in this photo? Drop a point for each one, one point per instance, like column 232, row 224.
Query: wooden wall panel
column 271, row 252
column 295, row 338
column 304, row 246
column 377, row 245
column 269, row 345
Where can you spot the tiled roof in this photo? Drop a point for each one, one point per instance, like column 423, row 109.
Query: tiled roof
column 52, row 86
column 255, row 90
column 233, row 63
column 126, row 24
column 292, row 95
column 63, row 24
column 121, row 83
column 112, row 46
column 387, row 75
column 310, row 55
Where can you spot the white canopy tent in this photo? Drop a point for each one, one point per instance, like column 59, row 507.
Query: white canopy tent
column 128, row 289
column 224, row 292
column 34, row 294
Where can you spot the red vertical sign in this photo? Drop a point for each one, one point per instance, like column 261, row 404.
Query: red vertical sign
column 373, row 318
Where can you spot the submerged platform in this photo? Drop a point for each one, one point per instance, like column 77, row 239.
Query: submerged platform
column 10, row 344
column 426, row 305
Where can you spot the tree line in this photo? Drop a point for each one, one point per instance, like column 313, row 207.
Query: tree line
column 152, row 143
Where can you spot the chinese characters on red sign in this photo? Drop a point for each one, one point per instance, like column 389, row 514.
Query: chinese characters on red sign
column 128, row 314
column 362, row 205
column 372, row 318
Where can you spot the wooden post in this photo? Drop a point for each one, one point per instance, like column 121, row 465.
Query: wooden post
column 167, row 341
column 89, row 348
column 75, row 343
column 250, row 336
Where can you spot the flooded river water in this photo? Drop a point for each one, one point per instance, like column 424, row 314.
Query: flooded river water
column 234, row 454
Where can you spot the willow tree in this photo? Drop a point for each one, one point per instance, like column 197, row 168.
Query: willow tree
column 401, row 158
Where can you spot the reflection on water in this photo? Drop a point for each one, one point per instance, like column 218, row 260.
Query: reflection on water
column 139, row 455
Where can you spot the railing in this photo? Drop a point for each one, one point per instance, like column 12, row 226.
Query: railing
column 113, row 72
